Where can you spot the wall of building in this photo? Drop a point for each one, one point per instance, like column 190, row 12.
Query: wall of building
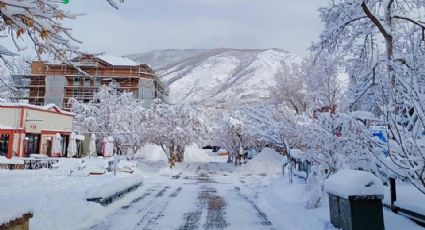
column 10, row 117
column 35, row 121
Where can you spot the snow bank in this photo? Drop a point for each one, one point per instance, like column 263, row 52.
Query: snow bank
column 14, row 160
column 194, row 154
column 408, row 197
column 110, row 189
column 267, row 161
column 151, row 153
column 15, row 209
column 348, row 182
column 126, row 166
column 94, row 165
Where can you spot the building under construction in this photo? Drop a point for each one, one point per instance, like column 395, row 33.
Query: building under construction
column 82, row 77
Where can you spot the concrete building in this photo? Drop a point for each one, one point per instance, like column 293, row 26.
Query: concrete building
column 28, row 129
column 80, row 78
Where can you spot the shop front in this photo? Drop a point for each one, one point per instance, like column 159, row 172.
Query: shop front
column 28, row 129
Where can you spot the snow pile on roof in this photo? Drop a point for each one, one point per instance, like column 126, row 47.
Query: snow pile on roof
column 194, row 154
column 115, row 60
column 151, row 153
column 348, row 182
column 267, row 161
column 47, row 107
column 364, row 115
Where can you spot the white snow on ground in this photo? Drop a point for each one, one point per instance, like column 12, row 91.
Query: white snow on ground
column 56, row 197
column 408, row 197
column 285, row 206
column 191, row 196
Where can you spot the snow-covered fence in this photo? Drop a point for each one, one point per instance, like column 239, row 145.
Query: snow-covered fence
column 111, row 192
column 33, row 163
column 302, row 166
column 411, row 213
column 11, row 164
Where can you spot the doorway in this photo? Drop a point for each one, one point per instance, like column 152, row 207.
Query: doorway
column 49, row 147
column 32, row 144
column 4, row 144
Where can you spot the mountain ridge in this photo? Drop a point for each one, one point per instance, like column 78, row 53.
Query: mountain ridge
column 222, row 76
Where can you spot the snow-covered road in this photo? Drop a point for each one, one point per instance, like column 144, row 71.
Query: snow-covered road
column 200, row 196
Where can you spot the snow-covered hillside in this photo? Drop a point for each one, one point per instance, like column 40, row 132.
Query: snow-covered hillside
column 220, row 76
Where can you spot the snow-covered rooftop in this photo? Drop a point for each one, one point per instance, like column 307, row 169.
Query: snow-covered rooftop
column 364, row 115
column 348, row 182
column 45, row 107
column 115, row 60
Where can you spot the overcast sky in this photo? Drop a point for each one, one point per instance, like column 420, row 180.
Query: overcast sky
column 144, row 25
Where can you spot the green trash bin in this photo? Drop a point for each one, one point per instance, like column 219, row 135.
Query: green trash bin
column 355, row 200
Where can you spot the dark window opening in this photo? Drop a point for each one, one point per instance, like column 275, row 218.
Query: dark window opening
column 32, row 143
column 4, row 144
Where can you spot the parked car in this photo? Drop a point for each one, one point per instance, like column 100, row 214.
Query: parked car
column 223, row 152
column 250, row 153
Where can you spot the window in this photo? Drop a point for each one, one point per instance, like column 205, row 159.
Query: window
column 87, row 82
column 97, row 82
column 77, row 81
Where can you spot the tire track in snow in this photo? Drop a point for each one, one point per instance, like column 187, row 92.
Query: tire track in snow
column 264, row 221
column 208, row 201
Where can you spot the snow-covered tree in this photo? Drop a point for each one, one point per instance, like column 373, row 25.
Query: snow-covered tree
column 173, row 127
column 41, row 22
column 321, row 81
column 290, row 89
column 233, row 134
column 6, row 89
column 272, row 125
column 331, row 142
column 111, row 113
column 383, row 44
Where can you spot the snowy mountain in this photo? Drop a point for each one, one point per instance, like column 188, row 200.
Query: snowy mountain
column 221, row 77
